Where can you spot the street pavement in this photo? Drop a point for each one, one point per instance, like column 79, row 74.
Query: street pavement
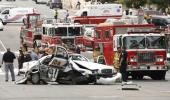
column 150, row 89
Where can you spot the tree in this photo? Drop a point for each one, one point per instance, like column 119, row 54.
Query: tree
column 103, row 1
column 133, row 3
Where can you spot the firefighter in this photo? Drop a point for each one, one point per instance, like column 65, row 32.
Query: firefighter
column 116, row 60
column 24, row 48
column 56, row 14
column 123, row 64
column 96, row 53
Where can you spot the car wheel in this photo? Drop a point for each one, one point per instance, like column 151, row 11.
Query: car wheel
column 35, row 78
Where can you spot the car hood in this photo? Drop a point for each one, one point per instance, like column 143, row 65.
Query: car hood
column 29, row 65
column 93, row 66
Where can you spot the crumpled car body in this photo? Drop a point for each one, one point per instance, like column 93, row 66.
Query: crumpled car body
column 68, row 71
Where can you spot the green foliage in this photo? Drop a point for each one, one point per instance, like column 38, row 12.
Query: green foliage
column 103, row 1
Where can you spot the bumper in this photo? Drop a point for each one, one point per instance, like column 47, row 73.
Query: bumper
column 148, row 68
column 110, row 80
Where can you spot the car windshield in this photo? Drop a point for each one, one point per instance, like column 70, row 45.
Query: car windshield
column 78, row 57
column 155, row 42
column 134, row 42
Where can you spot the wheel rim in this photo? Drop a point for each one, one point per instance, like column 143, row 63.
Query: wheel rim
column 35, row 78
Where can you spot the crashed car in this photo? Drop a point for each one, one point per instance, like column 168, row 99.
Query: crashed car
column 65, row 69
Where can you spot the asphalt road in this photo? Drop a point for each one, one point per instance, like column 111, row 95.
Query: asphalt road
column 150, row 89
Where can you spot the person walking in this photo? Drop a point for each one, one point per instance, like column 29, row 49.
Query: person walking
column 123, row 64
column 8, row 59
column 21, row 59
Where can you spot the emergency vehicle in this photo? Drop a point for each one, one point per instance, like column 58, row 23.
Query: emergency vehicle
column 15, row 15
column 31, row 31
column 146, row 48
column 59, row 33
column 97, row 13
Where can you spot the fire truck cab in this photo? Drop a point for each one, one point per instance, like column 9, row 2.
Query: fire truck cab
column 146, row 48
column 31, row 31
column 59, row 33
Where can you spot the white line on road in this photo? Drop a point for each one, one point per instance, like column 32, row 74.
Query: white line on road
column 165, row 91
column 3, row 45
column 103, row 96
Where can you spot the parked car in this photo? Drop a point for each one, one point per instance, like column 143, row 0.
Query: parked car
column 1, row 26
column 64, row 70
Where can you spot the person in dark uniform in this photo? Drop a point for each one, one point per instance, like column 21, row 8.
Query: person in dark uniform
column 8, row 59
column 123, row 64
column 21, row 59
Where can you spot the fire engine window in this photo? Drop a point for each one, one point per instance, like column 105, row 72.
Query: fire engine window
column 61, row 31
column 156, row 42
column 98, row 35
column 134, row 42
column 107, row 34
column 52, row 32
column 74, row 31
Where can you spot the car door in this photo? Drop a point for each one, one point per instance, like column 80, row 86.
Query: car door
column 44, row 68
column 60, row 57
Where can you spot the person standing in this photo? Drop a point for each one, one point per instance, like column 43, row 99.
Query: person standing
column 8, row 59
column 123, row 64
column 67, row 15
column 21, row 59
column 34, row 55
column 78, row 51
column 78, row 5
column 116, row 60
column 56, row 15
column 96, row 53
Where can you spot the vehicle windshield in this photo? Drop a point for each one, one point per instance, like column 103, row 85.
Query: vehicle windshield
column 142, row 42
column 68, row 31
column 155, row 42
column 78, row 57
column 134, row 42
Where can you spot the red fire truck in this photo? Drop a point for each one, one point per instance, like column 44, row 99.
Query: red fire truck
column 146, row 49
column 31, row 31
column 58, row 33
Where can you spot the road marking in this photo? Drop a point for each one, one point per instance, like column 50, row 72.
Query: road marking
column 3, row 45
column 103, row 96
column 165, row 91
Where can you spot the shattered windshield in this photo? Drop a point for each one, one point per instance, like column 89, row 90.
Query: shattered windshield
column 134, row 42
column 155, row 42
column 142, row 42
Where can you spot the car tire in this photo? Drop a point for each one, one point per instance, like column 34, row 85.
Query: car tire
column 35, row 78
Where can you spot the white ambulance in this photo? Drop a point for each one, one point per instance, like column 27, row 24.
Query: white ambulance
column 15, row 15
column 97, row 13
